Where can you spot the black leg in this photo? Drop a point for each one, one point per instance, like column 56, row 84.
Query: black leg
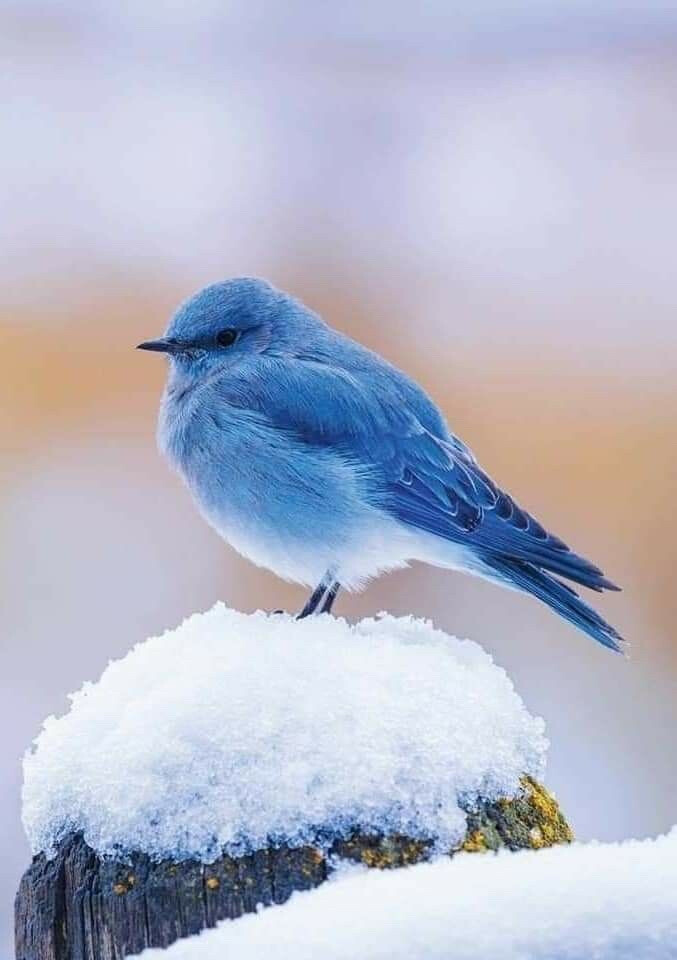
column 316, row 597
column 331, row 596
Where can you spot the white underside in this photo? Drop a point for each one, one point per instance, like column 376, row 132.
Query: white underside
column 375, row 546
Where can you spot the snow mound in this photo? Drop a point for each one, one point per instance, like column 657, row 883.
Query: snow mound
column 236, row 731
column 601, row 901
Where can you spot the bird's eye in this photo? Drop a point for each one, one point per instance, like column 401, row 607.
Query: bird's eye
column 227, row 337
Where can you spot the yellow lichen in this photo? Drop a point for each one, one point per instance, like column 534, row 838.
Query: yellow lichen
column 392, row 852
column 475, row 842
column 552, row 826
column 380, row 859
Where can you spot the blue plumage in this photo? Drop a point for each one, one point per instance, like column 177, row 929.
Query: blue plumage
column 315, row 457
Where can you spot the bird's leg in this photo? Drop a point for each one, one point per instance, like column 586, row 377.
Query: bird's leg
column 330, row 597
column 316, row 596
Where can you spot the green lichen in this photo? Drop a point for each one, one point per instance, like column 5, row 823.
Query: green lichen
column 530, row 820
column 384, row 853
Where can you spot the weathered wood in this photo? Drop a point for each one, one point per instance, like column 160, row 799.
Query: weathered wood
column 78, row 906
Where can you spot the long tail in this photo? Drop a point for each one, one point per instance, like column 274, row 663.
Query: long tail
column 557, row 595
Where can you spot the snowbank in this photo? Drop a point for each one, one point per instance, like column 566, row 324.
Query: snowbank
column 234, row 731
column 607, row 902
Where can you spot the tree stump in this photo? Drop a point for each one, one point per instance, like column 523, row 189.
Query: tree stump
column 79, row 906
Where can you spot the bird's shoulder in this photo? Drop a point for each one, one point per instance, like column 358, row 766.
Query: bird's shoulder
column 335, row 393
column 333, row 386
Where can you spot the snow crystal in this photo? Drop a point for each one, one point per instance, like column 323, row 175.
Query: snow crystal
column 235, row 731
column 601, row 901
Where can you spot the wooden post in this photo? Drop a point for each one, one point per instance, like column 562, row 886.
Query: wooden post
column 79, row 906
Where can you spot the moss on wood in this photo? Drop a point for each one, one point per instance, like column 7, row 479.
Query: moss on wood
column 532, row 819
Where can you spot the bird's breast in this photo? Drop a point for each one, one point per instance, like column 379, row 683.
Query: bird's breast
column 285, row 504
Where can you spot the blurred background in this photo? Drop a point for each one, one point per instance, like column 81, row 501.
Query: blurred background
column 486, row 193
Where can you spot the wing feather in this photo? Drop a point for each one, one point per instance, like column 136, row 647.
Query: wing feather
column 417, row 470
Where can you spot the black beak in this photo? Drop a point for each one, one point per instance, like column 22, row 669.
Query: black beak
column 163, row 345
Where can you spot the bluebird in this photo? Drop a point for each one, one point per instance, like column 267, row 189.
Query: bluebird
column 316, row 458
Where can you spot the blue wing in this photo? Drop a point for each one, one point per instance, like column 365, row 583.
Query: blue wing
column 440, row 488
column 422, row 474
column 426, row 477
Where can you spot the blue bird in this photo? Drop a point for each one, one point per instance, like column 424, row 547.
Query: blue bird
column 314, row 457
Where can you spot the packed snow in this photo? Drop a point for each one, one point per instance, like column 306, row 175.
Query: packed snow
column 601, row 901
column 236, row 731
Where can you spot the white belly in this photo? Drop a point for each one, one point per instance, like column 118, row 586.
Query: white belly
column 376, row 544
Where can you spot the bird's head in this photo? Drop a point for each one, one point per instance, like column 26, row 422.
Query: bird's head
column 227, row 323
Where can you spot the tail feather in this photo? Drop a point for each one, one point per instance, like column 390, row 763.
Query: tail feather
column 559, row 596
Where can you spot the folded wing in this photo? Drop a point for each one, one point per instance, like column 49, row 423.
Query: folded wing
column 425, row 477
